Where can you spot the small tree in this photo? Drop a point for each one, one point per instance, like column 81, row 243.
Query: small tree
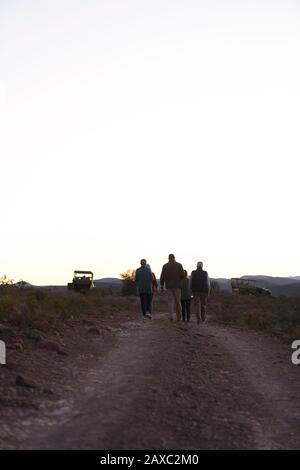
column 5, row 281
column 128, row 278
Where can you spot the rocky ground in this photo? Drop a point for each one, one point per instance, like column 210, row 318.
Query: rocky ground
column 122, row 382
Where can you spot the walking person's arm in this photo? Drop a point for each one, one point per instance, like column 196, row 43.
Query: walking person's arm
column 191, row 283
column 162, row 278
column 208, row 285
column 136, row 280
column 181, row 272
column 150, row 281
column 154, row 281
column 189, row 288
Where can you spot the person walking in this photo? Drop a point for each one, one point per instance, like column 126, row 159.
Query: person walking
column 154, row 286
column 144, row 280
column 171, row 276
column 154, row 281
column 185, row 298
column 200, row 286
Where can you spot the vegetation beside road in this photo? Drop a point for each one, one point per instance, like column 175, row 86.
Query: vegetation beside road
column 34, row 310
column 276, row 316
column 49, row 336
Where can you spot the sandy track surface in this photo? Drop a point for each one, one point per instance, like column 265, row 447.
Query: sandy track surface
column 163, row 385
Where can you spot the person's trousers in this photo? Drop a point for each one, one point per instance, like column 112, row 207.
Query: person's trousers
column 186, row 309
column 174, row 300
column 200, row 301
column 146, row 303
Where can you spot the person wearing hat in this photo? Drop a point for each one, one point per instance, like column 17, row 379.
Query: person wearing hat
column 200, row 287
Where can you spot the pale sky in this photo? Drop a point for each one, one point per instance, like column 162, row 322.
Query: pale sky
column 137, row 128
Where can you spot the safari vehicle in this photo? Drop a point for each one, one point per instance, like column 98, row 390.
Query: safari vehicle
column 82, row 281
column 247, row 287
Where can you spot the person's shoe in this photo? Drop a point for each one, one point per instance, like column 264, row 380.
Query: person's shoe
column 148, row 315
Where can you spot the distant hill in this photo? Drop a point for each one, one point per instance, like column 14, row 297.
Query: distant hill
column 109, row 280
column 266, row 281
column 278, row 285
column 288, row 286
column 23, row 284
column 289, row 290
column 110, row 284
column 224, row 283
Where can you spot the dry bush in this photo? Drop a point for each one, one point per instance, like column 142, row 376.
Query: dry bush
column 5, row 281
column 129, row 286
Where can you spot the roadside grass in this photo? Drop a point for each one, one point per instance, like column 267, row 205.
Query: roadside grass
column 275, row 316
column 36, row 310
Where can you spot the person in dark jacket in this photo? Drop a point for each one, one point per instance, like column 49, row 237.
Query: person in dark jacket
column 144, row 282
column 200, row 287
column 185, row 298
column 171, row 276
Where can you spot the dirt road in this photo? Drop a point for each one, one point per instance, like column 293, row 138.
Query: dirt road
column 165, row 385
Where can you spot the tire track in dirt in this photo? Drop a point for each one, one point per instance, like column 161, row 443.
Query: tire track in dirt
column 267, row 368
column 176, row 386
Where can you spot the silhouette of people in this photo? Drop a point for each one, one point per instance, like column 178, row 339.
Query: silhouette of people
column 154, row 281
column 185, row 298
column 200, row 286
column 144, row 282
column 171, row 276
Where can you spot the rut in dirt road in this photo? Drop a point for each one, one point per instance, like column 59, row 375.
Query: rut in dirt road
column 178, row 386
